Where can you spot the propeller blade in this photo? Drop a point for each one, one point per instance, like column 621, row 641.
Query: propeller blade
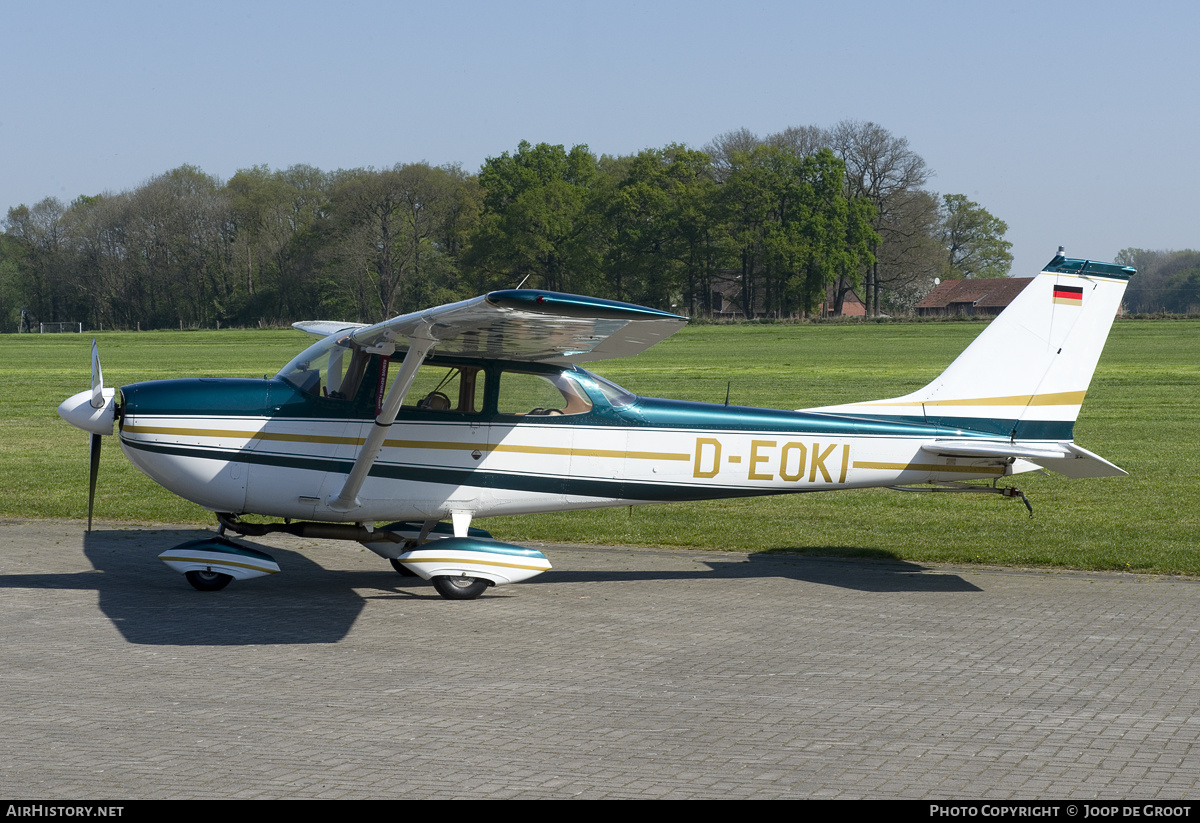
column 94, row 470
column 97, row 402
column 97, row 378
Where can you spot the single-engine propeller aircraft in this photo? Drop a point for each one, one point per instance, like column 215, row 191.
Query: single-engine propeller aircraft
column 382, row 433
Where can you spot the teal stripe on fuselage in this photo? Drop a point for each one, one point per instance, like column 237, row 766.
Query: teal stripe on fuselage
column 278, row 399
column 681, row 414
column 652, row 412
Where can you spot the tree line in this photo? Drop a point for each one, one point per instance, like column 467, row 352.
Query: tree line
column 778, row 226
column 1166, row 282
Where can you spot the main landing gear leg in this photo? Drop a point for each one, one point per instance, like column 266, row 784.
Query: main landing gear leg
column 460, row 587
column 462, row 564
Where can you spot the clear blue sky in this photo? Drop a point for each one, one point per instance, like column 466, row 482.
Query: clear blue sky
column 1075, row 122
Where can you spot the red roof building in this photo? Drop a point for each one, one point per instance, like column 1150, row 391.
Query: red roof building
column 985, row 297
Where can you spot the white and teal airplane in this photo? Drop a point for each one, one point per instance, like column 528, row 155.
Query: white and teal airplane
column 399, row 434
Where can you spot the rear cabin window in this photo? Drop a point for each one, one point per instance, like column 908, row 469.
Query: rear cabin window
column 540, row 395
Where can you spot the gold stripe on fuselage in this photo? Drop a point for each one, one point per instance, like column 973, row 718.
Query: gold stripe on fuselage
column 1062, row 398
column 449, row 445
column 927, row 467
column 241, row 435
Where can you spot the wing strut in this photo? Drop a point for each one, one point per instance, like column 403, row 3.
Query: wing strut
column 347, row 498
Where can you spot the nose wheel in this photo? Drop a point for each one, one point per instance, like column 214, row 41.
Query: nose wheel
column 208, row 581
column 460, row 588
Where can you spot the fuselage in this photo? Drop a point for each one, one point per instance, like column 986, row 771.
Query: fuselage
column 494, row 438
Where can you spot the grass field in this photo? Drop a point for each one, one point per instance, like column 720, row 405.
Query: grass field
column 1140, row 413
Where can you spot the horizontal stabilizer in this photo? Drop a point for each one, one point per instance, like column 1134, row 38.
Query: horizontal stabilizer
column 1063, row 458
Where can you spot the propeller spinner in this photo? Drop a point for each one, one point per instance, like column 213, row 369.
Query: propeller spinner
column 94, row 411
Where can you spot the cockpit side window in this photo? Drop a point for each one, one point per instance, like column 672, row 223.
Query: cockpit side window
column 438, row 386
column 445, row 388
column 536, row 394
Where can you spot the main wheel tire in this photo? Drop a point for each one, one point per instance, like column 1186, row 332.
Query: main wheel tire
column 401, row 569
column 207, row 581
column 460, row 588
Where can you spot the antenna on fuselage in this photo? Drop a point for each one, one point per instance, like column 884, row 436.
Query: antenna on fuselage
column 523, row 279
column 727, row 385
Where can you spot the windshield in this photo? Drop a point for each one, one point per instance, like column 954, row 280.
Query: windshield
column 332, row 367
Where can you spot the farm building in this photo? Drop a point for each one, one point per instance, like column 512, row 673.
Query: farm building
column 977, row 298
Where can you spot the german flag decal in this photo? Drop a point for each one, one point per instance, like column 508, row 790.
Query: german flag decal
column 1069, row 295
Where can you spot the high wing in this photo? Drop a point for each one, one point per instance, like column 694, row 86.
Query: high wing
column 324, row 328
column 516, row 324
column 521, row 324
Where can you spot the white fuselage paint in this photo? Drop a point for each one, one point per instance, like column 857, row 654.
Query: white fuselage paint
column 293, row 467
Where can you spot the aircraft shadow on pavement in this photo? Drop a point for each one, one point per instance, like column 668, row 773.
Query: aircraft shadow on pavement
column 152, row 605
column 848, row 573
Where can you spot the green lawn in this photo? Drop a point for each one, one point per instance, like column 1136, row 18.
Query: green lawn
column 1140, row 414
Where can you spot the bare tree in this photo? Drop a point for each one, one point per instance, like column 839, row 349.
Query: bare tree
column 882, row 168
column 801, row 140
column 388, row 224
column 722, row 148
column 911, row 259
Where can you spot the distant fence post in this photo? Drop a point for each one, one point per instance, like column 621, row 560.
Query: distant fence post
column 59, row 326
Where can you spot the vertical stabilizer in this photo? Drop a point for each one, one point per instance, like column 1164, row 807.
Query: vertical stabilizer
column 1026, row 374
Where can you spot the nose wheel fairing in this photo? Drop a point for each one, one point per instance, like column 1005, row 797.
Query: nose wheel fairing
column 199, row 559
